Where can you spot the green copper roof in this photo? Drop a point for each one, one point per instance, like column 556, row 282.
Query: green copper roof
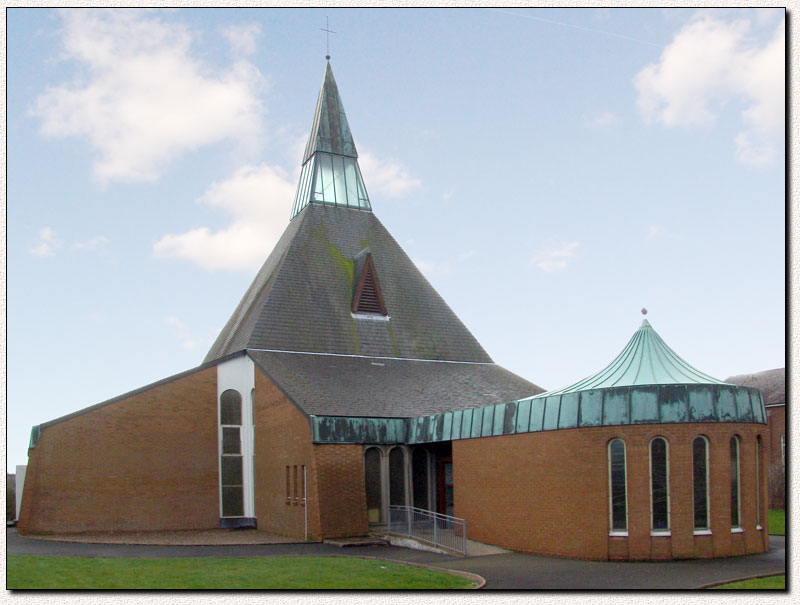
column 646, row 360
column 330, row 174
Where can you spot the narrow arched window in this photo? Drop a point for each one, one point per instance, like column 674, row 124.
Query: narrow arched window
column 230, row 407
column 736, row 521
column 617, row 488
column 659, row 485
column 700, row 482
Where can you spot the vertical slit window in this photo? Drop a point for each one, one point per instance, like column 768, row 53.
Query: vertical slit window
column 295, row 483
column 303, row 474
column 736, row 521
column 617, row 487
column 659, row 485
column 288, row 493
column 700, row 482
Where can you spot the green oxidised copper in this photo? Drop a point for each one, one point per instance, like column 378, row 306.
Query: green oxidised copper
column 646, row 384
column 330, row 173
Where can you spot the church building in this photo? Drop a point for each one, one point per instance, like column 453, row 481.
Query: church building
column 343, row 384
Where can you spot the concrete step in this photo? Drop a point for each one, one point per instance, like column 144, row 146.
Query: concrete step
column 357, row 541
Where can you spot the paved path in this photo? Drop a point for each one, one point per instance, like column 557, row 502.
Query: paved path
column 509, row 570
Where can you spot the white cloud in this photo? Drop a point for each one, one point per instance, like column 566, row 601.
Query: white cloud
column 555, row 256
column 46, row 244
column 385, row 177
column 242, row 38
column 182, row 333
column 259, row 199
column 710, row 63
column 141, row 98
column 94, row 244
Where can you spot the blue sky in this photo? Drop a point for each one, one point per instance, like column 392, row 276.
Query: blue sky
column 551, row 171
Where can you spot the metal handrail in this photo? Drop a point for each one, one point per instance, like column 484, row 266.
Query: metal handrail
column 428, row 526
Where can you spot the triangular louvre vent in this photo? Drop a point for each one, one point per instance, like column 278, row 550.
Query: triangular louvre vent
column 367, row 297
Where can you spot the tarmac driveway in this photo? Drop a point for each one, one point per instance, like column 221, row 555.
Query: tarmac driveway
column 509, row 570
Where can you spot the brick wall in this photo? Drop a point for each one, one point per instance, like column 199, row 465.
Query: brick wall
column 145, row 462
column 340, row 472
column 282, row 438
column 547, row 492
column 335, row 476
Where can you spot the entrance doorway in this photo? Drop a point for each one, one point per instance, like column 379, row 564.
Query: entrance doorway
column 445, row 487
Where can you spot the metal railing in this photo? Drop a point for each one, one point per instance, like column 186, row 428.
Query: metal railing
column 427, row 526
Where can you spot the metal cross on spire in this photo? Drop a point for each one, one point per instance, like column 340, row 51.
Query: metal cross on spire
column 328, row 33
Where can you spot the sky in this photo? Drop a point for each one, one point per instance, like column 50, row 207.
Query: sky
column 550, row 171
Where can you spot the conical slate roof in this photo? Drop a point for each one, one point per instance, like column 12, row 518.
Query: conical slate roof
column 645, row 360
column 301, row 298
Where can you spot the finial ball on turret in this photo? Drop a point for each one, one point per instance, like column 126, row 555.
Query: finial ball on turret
column 328, row 57
column 644, row 311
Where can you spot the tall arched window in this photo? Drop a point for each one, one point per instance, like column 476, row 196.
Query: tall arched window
column 231, row 474
column 736, row 520
column 659, row 485
column 700, row 482
column 616, row 480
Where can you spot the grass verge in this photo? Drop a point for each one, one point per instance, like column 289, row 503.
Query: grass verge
column 777, row 521
column 770, row 583
column 29, row 572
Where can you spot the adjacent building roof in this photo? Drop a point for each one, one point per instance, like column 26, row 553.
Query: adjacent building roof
column 771, row 383
column 335, row 385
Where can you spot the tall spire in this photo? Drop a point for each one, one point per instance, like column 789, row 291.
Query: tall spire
column 330, row 172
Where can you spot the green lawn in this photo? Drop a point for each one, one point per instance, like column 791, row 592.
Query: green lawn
column 771, row 583
column 777, row 521
column 28, row 572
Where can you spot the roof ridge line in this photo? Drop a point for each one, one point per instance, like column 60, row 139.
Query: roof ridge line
column 476, row 363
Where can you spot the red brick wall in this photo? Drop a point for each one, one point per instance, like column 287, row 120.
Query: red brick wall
column 282, row 438
column 335, row 473
column 547, row 492
column 146, row 462
column 340, row 472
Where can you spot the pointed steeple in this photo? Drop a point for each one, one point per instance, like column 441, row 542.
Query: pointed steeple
column 330, row 172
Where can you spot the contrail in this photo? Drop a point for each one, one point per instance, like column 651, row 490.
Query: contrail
column 587, row 29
